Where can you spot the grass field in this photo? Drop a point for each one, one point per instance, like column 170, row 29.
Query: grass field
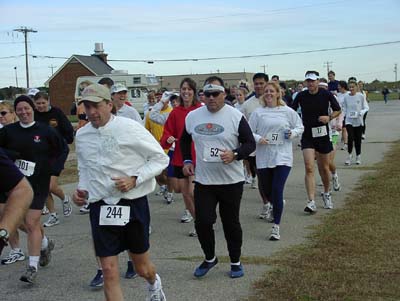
column 353, row 254
column 379, row 96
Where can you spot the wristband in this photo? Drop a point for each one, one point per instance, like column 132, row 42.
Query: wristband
column 188, row 162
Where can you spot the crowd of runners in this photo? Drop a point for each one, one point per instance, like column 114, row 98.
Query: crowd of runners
column 204, row 142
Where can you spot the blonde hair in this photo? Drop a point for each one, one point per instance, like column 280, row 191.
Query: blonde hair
column 8, row 106
column 277, row 88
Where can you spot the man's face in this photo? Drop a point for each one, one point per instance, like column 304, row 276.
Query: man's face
column 119, row 98
column 98, row 113
column 41, row 104
column 300, row 87
column 259, row 86
column 312, row 85
column 331, row 77
column 214, row 100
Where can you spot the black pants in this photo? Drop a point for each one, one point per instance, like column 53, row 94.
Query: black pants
column 206, row 198
column 364, row 127
column 252, row 166
column 354, row 135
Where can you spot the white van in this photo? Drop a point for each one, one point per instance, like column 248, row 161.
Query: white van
column 138, row 86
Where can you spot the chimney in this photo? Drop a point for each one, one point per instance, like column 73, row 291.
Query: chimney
column 99, row 52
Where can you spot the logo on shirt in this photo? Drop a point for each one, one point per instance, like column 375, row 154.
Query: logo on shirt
column 53, row 122
column 209, row 129
column 36, row 139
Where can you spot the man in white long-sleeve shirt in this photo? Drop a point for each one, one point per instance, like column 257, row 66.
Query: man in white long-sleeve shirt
column 117, row 161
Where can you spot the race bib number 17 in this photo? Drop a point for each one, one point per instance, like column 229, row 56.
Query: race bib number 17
column 113, row 215
column 319, row 131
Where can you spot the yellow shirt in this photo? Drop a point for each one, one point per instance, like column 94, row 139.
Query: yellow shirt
column 154, row 128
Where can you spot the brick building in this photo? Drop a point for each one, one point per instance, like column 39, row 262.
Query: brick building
column 62, row 83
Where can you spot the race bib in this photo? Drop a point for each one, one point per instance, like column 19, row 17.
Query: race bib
column 113, row 215
column 319, row 131
column 275, row 138
column 353, row 114
column 212, row 154
column 26, row 167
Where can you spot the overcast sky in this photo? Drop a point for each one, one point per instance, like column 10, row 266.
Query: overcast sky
column 151, row 30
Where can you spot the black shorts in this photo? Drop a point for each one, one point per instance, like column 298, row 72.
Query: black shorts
column 134, row 236
column 39, row 199
column 58, row 165
column 178, row 173
column 323, row 145
column 3, row 198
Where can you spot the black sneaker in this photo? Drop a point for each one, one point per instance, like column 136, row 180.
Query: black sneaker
column 29, row 275
column 45, row 255
column 98, row 280
column 204, row 267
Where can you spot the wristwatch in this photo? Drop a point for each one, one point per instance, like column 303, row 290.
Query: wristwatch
column 4, row 235
column 235, row 155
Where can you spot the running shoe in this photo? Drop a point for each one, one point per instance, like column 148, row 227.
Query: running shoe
column 327, row 199
column 67, row 208
column 98, row 280
column 162, row 190
column 204, row 267
column 186, row 217
column 45, row 255
column 275, row 233
column 169, row 197
column 85, row 209
column 193, row 233
column 156, row 294
column 311, row 207
column 14, row 256
column 265, row 211
column 45, row 211
column 29, row 275
column 236, row 271
column 52, row 221
column 344, row 147
column 254, row 183
column 335, row 182
column 348, row 160
column 130, row 271
column 358, row 159
column 363, row 136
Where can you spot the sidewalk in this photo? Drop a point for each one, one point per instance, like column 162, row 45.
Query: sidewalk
column 73, row 264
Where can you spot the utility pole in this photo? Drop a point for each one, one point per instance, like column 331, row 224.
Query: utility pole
column 16, row 77
column 25, row 31
column 52, row 69
column 264, row 67
column 395, row 72
column 328, row 66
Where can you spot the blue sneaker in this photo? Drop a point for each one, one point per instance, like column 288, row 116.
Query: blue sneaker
column 130, row 271
column 98, row 280
column 236, row 271
column 204, row 267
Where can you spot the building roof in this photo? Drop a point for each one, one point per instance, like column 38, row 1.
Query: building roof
column 92, row 62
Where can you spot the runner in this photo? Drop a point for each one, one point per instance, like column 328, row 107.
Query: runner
column 222, row 137
column 343, row 91
column 315, row 141
column 360, row 86
column 36, row 147
column 274, row 126
column 55, row 118
column 118, row 160
column 119, row 94
column 354, row 107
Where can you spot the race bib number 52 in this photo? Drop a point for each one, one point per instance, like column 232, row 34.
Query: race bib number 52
column 113, row 215
column 212, row 154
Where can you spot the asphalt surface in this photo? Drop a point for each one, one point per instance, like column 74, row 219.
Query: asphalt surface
column 73, row 264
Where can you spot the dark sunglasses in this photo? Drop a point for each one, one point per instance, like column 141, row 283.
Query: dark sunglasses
column 3, row 113
column 213, row 94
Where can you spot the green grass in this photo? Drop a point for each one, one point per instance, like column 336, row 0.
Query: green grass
column 354, row 254
column 379, row 96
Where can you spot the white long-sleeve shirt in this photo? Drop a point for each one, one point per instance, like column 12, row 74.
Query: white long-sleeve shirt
column 266, row 122
column 123, row 147
column 354, row 108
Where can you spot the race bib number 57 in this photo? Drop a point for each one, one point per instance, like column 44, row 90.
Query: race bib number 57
column 113, row 215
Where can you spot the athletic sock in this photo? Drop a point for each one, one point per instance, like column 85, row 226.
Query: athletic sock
column 33, row 261
column 45, row 242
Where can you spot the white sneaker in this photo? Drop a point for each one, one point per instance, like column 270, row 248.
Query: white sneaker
column 193, row 233
column 311, row 207
column 254, row 183
column 67, row 208
column 157, row 293
column 14, row 256
column 344, row 147
column 327, row 199
column 363, row 136
column 348, row 160
column 45, row 211
column 52, row 221
column 84, row 209
column 186, row 217
column 162, row 190
column 265, row 211
column 169, row 197
column 335, row 182
column 248, row 179
column 275, row 233
column 358, row 159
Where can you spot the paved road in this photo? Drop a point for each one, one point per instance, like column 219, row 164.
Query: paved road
column 73, row 264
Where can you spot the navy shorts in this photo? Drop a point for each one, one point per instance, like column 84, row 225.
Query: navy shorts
column 323, row 145
column 170, row 168
column 134, row 236
column 178, row 173
column 58, row 165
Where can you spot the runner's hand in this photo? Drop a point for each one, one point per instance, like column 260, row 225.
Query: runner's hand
column 80, row 197
column 124, row 184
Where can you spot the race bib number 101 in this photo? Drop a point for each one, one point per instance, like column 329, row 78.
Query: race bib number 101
column 113, row 215
column 27, row 168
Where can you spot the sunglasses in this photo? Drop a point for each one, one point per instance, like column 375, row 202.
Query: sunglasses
column 3, row 113
column 213, row 94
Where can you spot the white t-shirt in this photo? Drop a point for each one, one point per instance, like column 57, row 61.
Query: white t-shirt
column 354, row 108
column 129, row 112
